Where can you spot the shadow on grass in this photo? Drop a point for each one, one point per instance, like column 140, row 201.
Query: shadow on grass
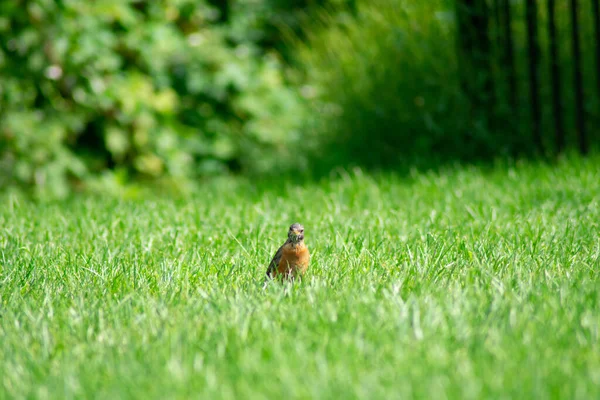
column 410, row 171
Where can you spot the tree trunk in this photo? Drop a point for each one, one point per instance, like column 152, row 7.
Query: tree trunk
column 497, row 19
column 596, row 16
column 497, row 66
column 557, row 111
column 533, row 50
column 475, row 53
column 578, row 80
column 509, row 55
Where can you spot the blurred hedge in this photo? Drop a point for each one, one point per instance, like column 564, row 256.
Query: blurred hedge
column 103, row 93
column 112, row 90
column 388, row 86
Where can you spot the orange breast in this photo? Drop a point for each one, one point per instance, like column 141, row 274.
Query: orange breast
column 294, row 260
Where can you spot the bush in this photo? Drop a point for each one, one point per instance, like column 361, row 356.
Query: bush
column 121, row 90
column 104, row 93
column 385, row 83
column 387, row 88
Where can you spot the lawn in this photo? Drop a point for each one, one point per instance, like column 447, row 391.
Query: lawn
column 465, row 283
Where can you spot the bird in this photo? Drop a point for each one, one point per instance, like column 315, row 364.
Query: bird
column 292, row 258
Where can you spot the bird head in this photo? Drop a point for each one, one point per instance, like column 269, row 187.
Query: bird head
column 296, row 233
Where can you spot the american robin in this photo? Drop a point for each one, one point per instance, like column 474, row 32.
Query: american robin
column 291, row 258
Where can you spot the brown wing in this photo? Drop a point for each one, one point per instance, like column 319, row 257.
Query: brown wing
column 275, row 261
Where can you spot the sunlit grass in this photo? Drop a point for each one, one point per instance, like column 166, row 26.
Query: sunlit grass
column 467, row 283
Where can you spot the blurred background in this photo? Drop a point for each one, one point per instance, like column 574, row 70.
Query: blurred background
column 98, row 95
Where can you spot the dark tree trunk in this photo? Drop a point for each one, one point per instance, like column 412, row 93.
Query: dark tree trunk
column 509, row 55
column 475, row 55
column 533, row 50
column 496, row 39
column 557, row 111
column 497, row 19
column 578, row 80
column 496, row 67
column 596, row 16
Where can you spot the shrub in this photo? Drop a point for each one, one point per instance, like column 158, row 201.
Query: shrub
column 135, row 90
column 387, row 89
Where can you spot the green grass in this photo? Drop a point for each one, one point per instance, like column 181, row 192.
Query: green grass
column 467, row 283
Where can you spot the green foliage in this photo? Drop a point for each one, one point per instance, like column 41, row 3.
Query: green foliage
column 101, row 94
column 386, row 83
column 142, row 89
column 386, row 86
column 466, row 284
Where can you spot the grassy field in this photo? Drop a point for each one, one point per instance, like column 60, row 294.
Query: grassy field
column 466, row 283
